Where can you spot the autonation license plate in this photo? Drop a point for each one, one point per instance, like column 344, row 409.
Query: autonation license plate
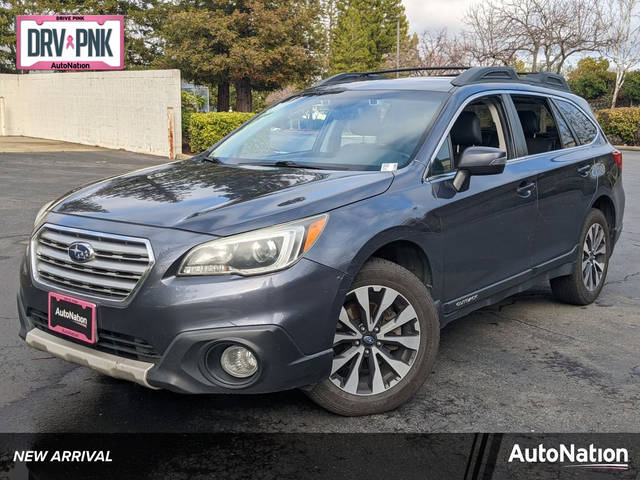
column 72, row 317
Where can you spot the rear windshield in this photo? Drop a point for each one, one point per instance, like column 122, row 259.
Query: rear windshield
column 354, row 130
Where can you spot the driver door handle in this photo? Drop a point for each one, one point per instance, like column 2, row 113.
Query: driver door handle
column 525, row 188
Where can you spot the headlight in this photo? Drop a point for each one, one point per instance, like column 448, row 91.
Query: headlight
column 41, row 213
column 261, row 251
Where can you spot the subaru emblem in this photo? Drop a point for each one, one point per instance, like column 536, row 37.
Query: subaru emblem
column 81, row 252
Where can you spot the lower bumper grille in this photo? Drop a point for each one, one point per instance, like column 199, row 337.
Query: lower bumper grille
column 109, row 342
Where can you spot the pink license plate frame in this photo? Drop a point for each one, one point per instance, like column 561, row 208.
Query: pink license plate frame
column 90, row 334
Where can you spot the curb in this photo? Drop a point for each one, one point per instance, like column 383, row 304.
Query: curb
column 627, row 147
column 183, row 156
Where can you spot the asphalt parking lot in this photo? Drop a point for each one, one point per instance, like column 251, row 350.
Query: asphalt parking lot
column 527, row 364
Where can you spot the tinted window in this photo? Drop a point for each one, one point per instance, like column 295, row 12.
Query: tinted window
column 539, row 126
column 481, row 123
column 565, row 132
column 584, row 128
column 443, row 163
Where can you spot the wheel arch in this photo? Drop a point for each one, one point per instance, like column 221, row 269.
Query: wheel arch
column 400, row 246
column 605, row 204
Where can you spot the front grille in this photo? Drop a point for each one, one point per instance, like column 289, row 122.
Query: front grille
column 119, row 265
column 108, row 342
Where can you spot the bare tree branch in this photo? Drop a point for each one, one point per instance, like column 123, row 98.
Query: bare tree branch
column 623, row 34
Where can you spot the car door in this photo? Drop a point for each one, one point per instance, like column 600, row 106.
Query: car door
column 565, row 183
column 487, row 230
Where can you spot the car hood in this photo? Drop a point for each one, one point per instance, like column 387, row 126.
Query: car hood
column 220, row 199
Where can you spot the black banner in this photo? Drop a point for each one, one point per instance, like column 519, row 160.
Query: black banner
column 320, row 456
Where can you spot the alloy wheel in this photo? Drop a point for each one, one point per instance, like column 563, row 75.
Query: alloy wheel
column 376, row 342
column 594, row 251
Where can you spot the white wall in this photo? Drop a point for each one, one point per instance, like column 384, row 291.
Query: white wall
column 118, row 109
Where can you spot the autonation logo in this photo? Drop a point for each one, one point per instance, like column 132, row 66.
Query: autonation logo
column 575, row 457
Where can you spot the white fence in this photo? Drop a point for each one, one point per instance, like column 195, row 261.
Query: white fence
column 136, row 110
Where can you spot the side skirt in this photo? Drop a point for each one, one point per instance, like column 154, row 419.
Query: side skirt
column 486, row 296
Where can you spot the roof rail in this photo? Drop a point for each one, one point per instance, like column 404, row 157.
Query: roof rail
column 548, row 79
column 469, row 76
column 485, row 74
column 508, row 74
column 379, row 74
column 422, row 69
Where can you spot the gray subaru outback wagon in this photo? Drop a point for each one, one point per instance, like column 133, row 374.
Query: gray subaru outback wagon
column 324, row 243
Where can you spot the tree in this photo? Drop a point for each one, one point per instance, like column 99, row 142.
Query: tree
column 365, row 34
column 252, row 44
column 591, row 78
column 408, row 55
column 330, row 11
column 490, row 39
column 352, row 45
column 438, row 48
column 622, row 49
column 142, row 19
column 197, row 41
column 630, row 90
column 548, row 32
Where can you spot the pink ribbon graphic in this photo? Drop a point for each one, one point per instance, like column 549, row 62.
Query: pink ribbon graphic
column 70, row 42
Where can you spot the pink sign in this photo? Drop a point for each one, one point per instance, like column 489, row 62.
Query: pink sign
column 70, row 42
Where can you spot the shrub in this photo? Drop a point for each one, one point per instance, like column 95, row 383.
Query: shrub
column 623, row 122
column 205, row 129
column 190, row 103
column 631, row 87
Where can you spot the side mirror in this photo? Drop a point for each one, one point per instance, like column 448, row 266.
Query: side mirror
column 478, row 161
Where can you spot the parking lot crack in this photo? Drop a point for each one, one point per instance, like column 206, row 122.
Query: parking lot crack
column 626, row 278
column 506, row 317
column 13, row 235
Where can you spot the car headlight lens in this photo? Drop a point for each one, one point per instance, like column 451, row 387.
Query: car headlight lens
column 41, row 213
column 252, row 253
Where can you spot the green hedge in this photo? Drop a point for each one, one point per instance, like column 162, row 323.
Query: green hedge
column 191, row 103
column 623, row 123
column 205, row 129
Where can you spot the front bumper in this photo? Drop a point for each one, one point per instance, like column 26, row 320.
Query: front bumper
column 181, row 369
column 287, row 318
column 106, row 363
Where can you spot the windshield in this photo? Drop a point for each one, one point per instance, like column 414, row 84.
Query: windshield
column 355, row 130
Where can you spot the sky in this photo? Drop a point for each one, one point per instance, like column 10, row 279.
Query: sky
column 435, row 14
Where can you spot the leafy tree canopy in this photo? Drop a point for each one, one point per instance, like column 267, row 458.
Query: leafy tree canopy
column 254, row 44
column 591, row 78
column 365, row 34
column 631, row 87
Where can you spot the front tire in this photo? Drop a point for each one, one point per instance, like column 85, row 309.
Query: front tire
column 584, row 284
column 385, row 344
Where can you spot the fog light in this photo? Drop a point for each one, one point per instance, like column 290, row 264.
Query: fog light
column 238, row 362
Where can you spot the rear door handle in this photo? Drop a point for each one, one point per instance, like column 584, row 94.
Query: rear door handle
column 524, row 189
column 584, row 170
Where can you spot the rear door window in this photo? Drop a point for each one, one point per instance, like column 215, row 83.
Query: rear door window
column 540, row 128
column 584, row 128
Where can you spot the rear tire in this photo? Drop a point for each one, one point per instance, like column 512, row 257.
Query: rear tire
column 584, row 284
column 381, row 356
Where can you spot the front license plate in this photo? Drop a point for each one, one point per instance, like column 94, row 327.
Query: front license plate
column 72, row 317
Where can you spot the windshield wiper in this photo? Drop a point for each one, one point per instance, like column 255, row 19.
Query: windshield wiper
column 286, row 164
column 207, row 158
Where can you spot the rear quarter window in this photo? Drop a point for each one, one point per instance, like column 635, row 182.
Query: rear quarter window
column 583, row 127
